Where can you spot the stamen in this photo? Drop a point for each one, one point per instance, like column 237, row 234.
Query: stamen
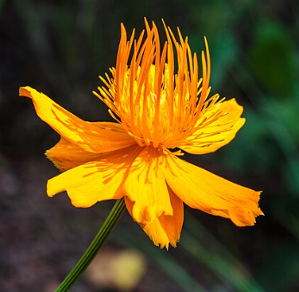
column 156, row 106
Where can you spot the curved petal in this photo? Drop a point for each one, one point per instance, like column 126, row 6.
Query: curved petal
column 66, row 155
column 97, row 180
column 164, row 230
column 210, row 193
column 146, row 187
column 217, row 127
column 92, row 137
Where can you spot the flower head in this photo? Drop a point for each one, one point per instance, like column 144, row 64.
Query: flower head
column 157, row 109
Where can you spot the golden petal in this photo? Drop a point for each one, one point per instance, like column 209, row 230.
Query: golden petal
column 66, row 155
column 92, row 137
column 210, row 193
column 165, row 229
column 97, row 180
column 217, row 127
column 146, row 187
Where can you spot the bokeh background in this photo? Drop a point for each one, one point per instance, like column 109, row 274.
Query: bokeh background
column 59, row 48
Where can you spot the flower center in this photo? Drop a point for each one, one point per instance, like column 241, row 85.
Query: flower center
column 156, row 106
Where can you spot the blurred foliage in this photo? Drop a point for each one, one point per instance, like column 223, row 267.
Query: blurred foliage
column 60, row 47
column 273, row 60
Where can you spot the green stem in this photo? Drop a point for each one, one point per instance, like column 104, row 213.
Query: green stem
column 113, row 217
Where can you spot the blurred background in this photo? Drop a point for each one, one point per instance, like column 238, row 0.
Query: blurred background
column 60, row 48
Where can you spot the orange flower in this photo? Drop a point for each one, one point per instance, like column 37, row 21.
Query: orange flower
column 157, row 110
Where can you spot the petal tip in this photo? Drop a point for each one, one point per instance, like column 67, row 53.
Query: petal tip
column 79, row 203
column 243, row 217
column 25, row 91
column 52, row 189
column 50, row 192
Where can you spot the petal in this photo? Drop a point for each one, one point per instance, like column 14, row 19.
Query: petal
column 146, row 187
column 210, row 193
column 216, row 128
column 165, row 229
column 66, row 155
column 92, row 137
column 97, row 180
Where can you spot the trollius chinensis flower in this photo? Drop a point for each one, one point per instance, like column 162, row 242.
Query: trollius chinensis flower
column 159, row 113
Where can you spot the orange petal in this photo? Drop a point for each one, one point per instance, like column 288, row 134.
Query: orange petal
column 92, row 137
column 146, row 187
column 164, row 230
column 66, row 155
column 97, row 180
column 210, row 193
column 217, row 127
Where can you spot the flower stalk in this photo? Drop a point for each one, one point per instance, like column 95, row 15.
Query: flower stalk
column 97, row 243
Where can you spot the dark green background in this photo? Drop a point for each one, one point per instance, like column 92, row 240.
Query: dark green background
column 59, row 48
